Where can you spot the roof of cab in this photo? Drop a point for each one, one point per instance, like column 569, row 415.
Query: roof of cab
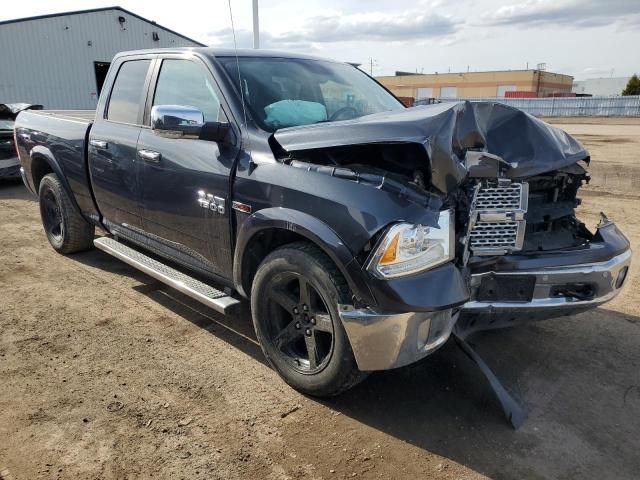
column 229, row 52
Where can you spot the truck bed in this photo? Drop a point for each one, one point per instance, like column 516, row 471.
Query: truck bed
column 55, row 141
column 81, row 115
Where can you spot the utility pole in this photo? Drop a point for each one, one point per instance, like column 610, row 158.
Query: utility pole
column 256, row 26
column 372, row 63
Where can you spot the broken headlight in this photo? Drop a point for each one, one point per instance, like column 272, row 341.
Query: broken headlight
column 407, row 248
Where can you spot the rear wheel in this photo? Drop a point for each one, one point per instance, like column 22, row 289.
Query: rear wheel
column 294, row 301
column 65, row 228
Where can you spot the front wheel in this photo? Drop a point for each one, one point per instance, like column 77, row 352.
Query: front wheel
column 294, row 301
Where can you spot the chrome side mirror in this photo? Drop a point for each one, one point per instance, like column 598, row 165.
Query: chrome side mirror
column 176, row 121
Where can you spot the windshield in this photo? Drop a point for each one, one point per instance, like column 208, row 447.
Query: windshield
column 6, row 124
column 287, row 92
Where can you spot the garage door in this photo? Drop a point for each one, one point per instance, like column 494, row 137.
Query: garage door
column 448, row 92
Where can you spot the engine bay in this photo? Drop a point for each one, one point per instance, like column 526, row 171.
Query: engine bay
column 496, row 214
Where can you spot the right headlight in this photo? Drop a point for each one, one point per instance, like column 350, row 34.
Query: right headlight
column 407, row 248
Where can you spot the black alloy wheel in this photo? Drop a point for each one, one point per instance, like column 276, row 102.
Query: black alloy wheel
column 52, row 218
column 301, row 328
column 295, row 296
column 64, row 226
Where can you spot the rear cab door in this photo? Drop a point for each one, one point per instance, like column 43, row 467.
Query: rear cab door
column 180, row 168
column 113, row 166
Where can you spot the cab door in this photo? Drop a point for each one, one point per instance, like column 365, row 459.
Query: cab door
column 112, row 149
column 175, row 170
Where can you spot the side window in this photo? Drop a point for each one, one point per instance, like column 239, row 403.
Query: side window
column 128, row 92
column 189, row 84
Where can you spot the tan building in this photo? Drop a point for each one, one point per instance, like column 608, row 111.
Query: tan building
column 478, row 84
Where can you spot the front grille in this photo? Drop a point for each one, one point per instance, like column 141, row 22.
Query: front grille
column 497, row 234
column 500, row 198
column 497, row 225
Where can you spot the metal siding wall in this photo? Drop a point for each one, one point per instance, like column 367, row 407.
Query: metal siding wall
column 48, row 61
column 615, row 106
column 601, row 86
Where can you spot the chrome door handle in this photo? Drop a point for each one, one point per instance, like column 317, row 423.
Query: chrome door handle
column 98, row 143
column 149, row 156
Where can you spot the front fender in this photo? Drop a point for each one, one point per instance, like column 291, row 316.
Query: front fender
column 310, row 228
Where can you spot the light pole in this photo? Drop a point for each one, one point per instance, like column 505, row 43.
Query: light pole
column 256, row 26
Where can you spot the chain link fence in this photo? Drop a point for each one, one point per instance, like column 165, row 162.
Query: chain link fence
column 613, row 106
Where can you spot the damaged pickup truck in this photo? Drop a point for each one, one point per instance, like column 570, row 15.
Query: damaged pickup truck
column 9, row 163
column 363, row 233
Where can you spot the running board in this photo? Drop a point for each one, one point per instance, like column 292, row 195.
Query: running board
column 191, row 287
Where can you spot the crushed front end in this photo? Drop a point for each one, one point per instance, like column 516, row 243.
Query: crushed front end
column 507, row 181
column 522, row 255
column 9, row 162
column 528, row 255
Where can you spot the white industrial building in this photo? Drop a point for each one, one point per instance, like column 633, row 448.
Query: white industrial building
column 600, row 86
column 60, row 60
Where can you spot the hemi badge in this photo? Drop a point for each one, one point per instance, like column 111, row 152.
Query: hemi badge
column 241, row 207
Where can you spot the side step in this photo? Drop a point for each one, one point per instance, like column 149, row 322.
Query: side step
column 195, row 289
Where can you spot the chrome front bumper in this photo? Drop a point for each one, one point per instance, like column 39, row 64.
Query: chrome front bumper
column 381, row 341
column 604, row 278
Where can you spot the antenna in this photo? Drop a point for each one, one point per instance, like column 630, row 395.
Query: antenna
column 256, row 26
column 235, row 48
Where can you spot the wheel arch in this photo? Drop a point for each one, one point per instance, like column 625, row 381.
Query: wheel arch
column 270, row 228
column 43, row 163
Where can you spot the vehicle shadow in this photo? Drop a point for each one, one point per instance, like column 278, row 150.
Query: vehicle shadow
column 235, row 329
column 578, row 376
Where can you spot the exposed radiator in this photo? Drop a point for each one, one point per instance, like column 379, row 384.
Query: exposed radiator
column 497, row 223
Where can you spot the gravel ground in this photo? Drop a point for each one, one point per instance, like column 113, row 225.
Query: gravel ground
column 107, row 374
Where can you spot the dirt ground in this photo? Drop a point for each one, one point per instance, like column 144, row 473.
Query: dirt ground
column 104, row 373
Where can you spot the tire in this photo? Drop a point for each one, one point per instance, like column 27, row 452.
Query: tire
column 288, row 333
column 65, row 228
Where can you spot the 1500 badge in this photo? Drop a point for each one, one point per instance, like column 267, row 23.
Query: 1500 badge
column 206, row 200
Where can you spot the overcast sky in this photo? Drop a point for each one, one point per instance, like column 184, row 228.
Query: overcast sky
column 583, row 38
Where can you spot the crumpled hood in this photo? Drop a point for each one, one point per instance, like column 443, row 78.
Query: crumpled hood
column 446, row 131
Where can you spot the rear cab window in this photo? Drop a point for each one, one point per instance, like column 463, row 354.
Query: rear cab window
column 128, row 93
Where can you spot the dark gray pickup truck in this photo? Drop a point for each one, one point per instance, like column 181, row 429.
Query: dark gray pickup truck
column 364, row 233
